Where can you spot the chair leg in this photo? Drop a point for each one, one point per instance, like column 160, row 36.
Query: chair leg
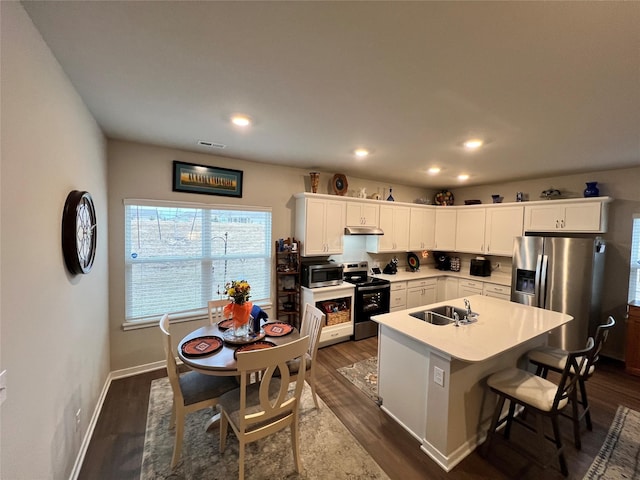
column 311, row 380
column 585, row 404
column 494, row 425
column 224, row 422
column 575, row 418
column 558, row 440
column 295, row 442
column 177, row 444
column 512, row 410
column 240, row 459
column 172, row 422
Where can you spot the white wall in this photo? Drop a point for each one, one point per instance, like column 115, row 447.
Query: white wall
column 54, row 339
column 624, row 186
column 144, row 171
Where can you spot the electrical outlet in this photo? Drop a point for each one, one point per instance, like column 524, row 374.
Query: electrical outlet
column 3, row 386
column 438, row 376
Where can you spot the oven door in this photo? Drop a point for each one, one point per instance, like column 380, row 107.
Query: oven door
column 370, row 300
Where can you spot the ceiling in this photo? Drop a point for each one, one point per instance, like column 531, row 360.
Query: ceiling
column 551, row 87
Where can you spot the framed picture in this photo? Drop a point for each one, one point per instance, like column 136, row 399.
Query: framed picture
column 191, row 178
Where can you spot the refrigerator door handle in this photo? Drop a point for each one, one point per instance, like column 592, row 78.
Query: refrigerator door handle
column 542, row 286
column 537, row 290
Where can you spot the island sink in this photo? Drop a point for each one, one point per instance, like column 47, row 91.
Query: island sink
column 439, row 315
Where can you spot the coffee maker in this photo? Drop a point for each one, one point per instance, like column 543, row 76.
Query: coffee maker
column 443, row 261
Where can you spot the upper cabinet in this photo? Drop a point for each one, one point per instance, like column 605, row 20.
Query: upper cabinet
column 394, row 222
column 320, row 225
column 568, row 216
column 470, row 226
column 502, row 225
column 361, row 214
column 422, row 222
column 445, row 238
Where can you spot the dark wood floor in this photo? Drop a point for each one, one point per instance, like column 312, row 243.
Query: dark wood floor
column 115, row 451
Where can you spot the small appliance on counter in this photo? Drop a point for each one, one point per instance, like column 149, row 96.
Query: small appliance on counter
column 480, row 267
column 443, row 261
column 455, row 264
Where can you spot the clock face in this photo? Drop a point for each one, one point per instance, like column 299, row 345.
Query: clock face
column 79, row 232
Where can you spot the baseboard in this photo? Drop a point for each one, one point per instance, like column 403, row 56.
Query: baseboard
column 116, row 374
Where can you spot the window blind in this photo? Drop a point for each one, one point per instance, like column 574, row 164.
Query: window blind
column 178, row 255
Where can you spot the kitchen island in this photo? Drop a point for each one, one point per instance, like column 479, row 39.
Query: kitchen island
column 431, row 378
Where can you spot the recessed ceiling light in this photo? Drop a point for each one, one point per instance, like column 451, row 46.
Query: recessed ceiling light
column 434, row 170
column 361, row 152
column 473, row 143
column 241, row 120
column 462, row 177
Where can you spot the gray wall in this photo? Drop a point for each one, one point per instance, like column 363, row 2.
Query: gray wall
column 624, row 186
column 145, row 171
column 54, row 337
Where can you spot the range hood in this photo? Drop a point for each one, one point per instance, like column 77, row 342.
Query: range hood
column 363, row 231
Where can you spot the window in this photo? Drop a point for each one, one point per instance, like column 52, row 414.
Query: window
column 179, row 255
column 634, row 277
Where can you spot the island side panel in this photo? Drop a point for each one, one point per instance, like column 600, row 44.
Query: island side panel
column 459, row 414
column 403, row 373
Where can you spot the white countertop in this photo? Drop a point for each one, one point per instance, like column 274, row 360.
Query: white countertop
column 501, row 325
column 499, row 278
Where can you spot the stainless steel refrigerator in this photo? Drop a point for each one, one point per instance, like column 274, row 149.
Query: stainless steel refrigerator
column 564, row 275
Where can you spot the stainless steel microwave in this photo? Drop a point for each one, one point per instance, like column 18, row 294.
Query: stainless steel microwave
column 315, row 275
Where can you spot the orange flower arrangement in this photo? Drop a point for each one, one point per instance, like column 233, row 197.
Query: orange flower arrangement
column 239, row 308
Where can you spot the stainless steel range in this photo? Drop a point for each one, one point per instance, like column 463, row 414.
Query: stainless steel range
column 372, row 297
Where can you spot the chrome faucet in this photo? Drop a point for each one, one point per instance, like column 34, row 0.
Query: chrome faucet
column 467, row 306
column 456, row 317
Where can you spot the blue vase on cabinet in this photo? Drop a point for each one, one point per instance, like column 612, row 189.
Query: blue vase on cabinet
column 592, row 190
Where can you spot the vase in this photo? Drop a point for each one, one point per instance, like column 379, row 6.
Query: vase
column 591, row 190
column 390, row 197
column 315, row 177
column 240, row 330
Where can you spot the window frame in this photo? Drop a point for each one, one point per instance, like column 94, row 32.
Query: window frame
column 201, row 312
column 634, row 260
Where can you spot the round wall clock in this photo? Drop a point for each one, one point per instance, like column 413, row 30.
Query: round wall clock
column 79, row 232
column 340, row 184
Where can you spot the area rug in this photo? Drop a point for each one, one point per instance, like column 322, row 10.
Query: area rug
column 364, row 375
column 328, row 449
column 619, row 457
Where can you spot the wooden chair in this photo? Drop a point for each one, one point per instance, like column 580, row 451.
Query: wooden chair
column 259, row 409
column 192, row 391
column 538, row 396
column 216, row 313
column 555, row 359
column 311, row 325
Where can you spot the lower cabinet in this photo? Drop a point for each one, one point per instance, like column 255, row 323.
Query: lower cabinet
column 498, row 291
column 421, row 292
column 467, row 288
column 398, row 299
column 337, row 303
column 447, row 289
column 632, row 353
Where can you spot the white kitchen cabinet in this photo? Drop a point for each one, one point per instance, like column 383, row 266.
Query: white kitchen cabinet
column 447, row 289
column 445, row 234
column 498, row 291
column 421, row 292
column 320, row 225
column 422, row 228
column 503, row 224
column 344, row 296
column 567, row 216
column 361, row 214
column 398, row 300
column 394, row 222
column 470, row 225
column 466, row 288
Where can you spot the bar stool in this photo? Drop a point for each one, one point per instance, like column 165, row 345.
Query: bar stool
column 554, row 359
column 538, row 396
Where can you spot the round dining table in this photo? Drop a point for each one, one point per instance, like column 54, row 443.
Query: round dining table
column 223, row 362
